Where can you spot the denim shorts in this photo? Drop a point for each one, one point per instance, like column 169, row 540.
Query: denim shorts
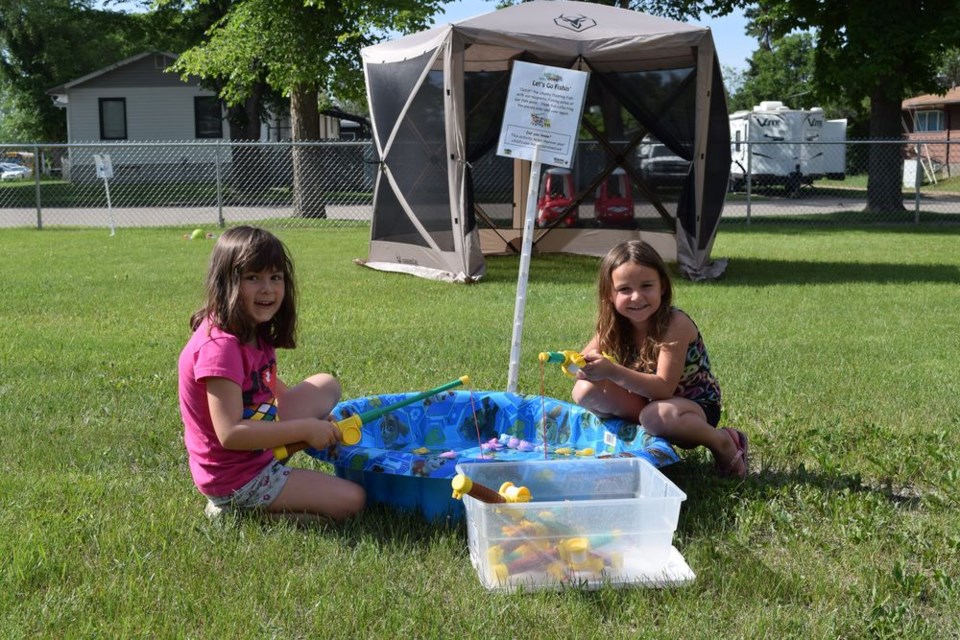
column 259, row 492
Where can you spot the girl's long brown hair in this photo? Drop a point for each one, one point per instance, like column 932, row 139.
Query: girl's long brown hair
column 615, row 333
column 238, row 250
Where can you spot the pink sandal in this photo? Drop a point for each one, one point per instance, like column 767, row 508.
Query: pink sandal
column 739, row 466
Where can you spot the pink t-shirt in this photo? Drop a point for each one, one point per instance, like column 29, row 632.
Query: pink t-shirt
column 214, row 353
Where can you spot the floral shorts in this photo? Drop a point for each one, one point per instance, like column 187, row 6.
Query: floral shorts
column 259, row 492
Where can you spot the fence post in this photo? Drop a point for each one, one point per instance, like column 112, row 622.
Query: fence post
column 216, row 162
column 36, row 184
column 749, row 175
column 916, row 186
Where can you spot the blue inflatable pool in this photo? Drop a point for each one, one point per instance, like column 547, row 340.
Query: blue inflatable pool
column 406, row 458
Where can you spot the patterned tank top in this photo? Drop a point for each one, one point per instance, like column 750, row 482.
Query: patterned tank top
column 697, row 381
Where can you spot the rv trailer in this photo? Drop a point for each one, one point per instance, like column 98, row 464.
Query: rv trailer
column 773, row 144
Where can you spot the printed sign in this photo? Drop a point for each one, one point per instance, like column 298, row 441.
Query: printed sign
column 104, row 165
column 541, row 120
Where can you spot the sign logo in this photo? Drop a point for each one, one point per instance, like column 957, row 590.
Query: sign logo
column 539, row 120
column 575, row 22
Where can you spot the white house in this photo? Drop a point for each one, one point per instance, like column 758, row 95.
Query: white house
column 156, row 120
column 138, row 100
column 133, row 101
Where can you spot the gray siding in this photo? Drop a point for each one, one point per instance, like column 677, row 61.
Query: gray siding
column 153, row 113
column 145, row 72
column 159, row 105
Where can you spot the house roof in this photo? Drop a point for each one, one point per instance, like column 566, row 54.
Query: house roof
column 63, row 88
column 930, row 101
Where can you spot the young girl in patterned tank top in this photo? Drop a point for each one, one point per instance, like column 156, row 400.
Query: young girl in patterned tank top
column 659, row 373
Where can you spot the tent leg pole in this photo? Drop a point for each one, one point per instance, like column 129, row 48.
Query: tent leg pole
column 522, row 276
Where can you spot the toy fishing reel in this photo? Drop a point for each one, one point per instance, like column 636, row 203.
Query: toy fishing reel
column 570, row 361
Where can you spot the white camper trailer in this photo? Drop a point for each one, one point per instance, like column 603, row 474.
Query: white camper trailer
column 777, row 145
column 835, row 149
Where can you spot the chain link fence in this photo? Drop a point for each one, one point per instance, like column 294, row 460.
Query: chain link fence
column 286, row 185
column 188, row 184
column 844, row 183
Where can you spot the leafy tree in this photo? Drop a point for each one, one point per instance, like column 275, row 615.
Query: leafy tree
column 733, row 79
column 783, row 72
column 759, row 27
column 305, row 49
column 885, row 50
column 950, row 67
column 192, row 20
column 18, row 115
column 44, row 43
column 878, row 51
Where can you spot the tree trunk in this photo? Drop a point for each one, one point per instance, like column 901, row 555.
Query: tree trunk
column 307, row 167
column 247, row 166
column 885, row 163
column 244, row 119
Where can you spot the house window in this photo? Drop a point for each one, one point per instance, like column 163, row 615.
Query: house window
column 113, row 118
column 206, row 117
column 929, row 121
column 161, row 62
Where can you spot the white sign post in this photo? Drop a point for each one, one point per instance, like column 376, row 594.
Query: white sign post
column 105, row 171
column 541, row 123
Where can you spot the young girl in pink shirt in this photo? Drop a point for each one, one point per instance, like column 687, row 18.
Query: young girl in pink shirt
column 235, row 408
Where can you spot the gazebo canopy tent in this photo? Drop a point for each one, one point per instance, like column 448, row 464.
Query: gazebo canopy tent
column 436, row 103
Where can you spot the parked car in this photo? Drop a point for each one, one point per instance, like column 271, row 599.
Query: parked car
column 14, row 171
column 660, row 166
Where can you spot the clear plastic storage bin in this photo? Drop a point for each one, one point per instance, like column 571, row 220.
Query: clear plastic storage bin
column 590, row 522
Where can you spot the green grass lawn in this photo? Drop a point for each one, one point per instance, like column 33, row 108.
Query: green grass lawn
column 859, row 182
column 837, row 351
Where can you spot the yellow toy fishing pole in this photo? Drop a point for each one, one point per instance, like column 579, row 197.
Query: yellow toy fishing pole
column 350, row 426
column 570, row 361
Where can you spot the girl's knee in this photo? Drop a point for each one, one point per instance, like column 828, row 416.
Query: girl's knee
column 325, row 383
column 355, row 499
column 652, row 419
column 315, row 397
column 351, row 499
column 586, row 394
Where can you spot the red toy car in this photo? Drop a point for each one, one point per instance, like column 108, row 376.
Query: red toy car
column 614, row 201
column 556, row 194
